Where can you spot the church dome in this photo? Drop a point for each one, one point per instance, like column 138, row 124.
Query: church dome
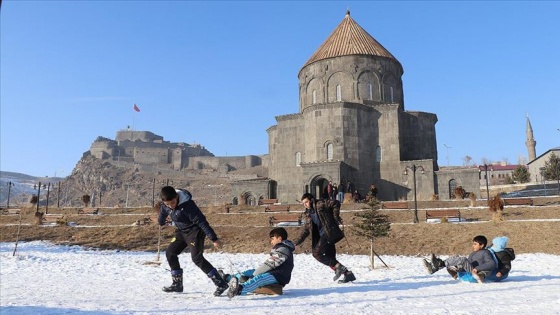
column 349, row 38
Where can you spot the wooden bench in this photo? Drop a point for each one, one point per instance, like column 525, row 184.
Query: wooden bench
column 263, row 202
column 88, row 211
column 11, row 211
column 53, row 218
column 440, row 214
column 289, row 218
column 277, row 208
column 395, row 205
column 518, row 201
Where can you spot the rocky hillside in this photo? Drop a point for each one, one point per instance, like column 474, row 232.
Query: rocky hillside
column 131, row 186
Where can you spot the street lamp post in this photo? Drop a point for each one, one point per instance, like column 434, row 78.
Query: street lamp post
column 38, row 196
column 126, row 203
column 543, row 182
column 10, row 184
column 154, row 193
column 486, row 176
column 447, row 147
column 413, row 168
column 58, row 196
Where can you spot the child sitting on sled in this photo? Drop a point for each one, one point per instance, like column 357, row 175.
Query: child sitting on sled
column 500, row 253
column 276, row 270
column 478, row 265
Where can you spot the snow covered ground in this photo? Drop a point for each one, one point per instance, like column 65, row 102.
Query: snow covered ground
column 49, row 279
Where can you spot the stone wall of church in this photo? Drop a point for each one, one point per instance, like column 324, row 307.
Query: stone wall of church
column 360, row 78
column 418, row 134
column 285, row 141
column 464, row 177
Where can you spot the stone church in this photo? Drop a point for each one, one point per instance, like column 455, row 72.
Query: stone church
column 352, row 125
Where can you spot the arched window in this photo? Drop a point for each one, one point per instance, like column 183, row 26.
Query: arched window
column 452, row 185
column 329, row 151
column 392, row 95
column 298, row 158
column 370, row 91
column 378, row 154
column 314, row 97
column 338, row 93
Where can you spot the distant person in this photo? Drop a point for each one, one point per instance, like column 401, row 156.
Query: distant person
column 329, row 190
column 322, row 223
column 356, row 196
column 350, row 188
column 480, row 263
column 373, row 190
column 277, row 269
column 334, row 192
column 341, row 192
column 192, row 228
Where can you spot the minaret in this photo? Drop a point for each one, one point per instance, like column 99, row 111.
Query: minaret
column 530, row 143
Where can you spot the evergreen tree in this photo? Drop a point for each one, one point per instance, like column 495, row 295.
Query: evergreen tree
column 552, row 169
column 521, row 174
column 372, row 224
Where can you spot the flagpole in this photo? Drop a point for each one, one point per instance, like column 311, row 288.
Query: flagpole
column 136, row 110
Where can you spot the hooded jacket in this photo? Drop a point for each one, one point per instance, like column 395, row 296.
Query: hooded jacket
column 504, row 256
column 186, row 216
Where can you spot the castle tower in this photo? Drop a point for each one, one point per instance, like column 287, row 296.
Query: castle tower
column 530, row 143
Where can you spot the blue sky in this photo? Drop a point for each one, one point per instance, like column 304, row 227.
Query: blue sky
column 217, row 73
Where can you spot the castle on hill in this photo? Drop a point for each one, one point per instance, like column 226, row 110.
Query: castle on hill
column 352, row 126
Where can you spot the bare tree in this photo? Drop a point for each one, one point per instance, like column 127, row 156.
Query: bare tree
column 467, row 160
column 496, row 205
column 86, row 200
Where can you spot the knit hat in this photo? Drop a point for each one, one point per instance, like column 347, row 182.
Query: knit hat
column 480, row 239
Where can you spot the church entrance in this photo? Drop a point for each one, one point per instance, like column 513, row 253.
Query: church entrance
column 318, row 187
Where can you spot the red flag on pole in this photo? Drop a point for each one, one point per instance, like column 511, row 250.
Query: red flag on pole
column 136, row 108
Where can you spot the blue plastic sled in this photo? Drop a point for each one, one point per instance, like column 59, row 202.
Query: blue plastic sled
column 464, row 276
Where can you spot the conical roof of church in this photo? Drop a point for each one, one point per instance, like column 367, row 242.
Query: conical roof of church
column 349, row 38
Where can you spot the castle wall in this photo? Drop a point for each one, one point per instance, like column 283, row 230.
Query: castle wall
column 132, row 135
column 232, row 162
column 464, row 177
column 102, row 149
column 147, row 155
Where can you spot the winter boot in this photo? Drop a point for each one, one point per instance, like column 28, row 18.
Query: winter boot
column 234, row 287
column 348, row 277
column 225, row 276
column 221, row 284
column 177, row 285
column 453, row 273
column 339, row 270
column 436, row 262
column 429, row 267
